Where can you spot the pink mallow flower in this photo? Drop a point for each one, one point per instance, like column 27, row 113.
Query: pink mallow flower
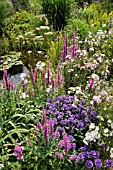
column 72, row 157
column 60, row 156
column 18, row 151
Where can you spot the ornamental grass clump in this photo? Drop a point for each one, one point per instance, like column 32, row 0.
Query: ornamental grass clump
column 57, row 12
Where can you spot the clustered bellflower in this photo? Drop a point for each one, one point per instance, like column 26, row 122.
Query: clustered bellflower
column 69, row 116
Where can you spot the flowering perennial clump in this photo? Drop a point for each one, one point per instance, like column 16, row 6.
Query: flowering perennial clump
column 68, row 116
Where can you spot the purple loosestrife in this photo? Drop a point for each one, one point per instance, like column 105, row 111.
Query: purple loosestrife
column 66, row 44
column 10, row 85
column 51, row 126
column 43, row 75
column 48, row 73
column 46, row 133
column 56, row 134
column 18, row 151
column 31, row 93
column 91, row 83
column 39, row 126
column 58, row 76
column 63, row 53
column 74, row 45
column 44, row 116
column 67, row 144
column 8, row 82
column 53, row 83
column 5, row 75
column 34, row 76
column 60, row 144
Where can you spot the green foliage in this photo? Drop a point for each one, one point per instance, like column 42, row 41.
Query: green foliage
column 20, row 5
column 17, row 25
column 35, row 7
column 57, row 12
column 86, row 71
column 91, row 18
column 54, row 51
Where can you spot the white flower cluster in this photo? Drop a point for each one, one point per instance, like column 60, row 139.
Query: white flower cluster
column 111, row 152
column 92, row 135
column 43, row 28
column 24, row 95
column 49, row 89
column 40, row 65
column 48, row 33
column 24, row 78
column 111, row 123
column 107, row 132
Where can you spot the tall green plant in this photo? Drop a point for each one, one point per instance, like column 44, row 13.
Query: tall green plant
column 57, row 12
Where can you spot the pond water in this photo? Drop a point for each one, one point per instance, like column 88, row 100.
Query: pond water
column 16, row 77
column 27, row 59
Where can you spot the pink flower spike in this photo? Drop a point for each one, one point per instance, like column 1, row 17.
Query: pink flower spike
column 53, row 83
column 56, row 134
column 72, row 157
column 91, row 83
column 46, row 134
column 31, row 93
column 39, row 126
column 60, row 156
column 28, row 141
column 44, row 115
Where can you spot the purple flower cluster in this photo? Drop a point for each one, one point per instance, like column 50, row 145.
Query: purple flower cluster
column 18, row 151
column 109, row 163
column 69, row 51
column 92, row 159
column 93, row 155
column 68, row 116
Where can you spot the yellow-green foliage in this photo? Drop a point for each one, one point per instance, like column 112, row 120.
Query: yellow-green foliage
column 98, row 14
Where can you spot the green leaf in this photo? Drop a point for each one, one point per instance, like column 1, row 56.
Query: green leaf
column 11, row 132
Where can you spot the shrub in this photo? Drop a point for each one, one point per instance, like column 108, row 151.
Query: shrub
column 5, row 10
